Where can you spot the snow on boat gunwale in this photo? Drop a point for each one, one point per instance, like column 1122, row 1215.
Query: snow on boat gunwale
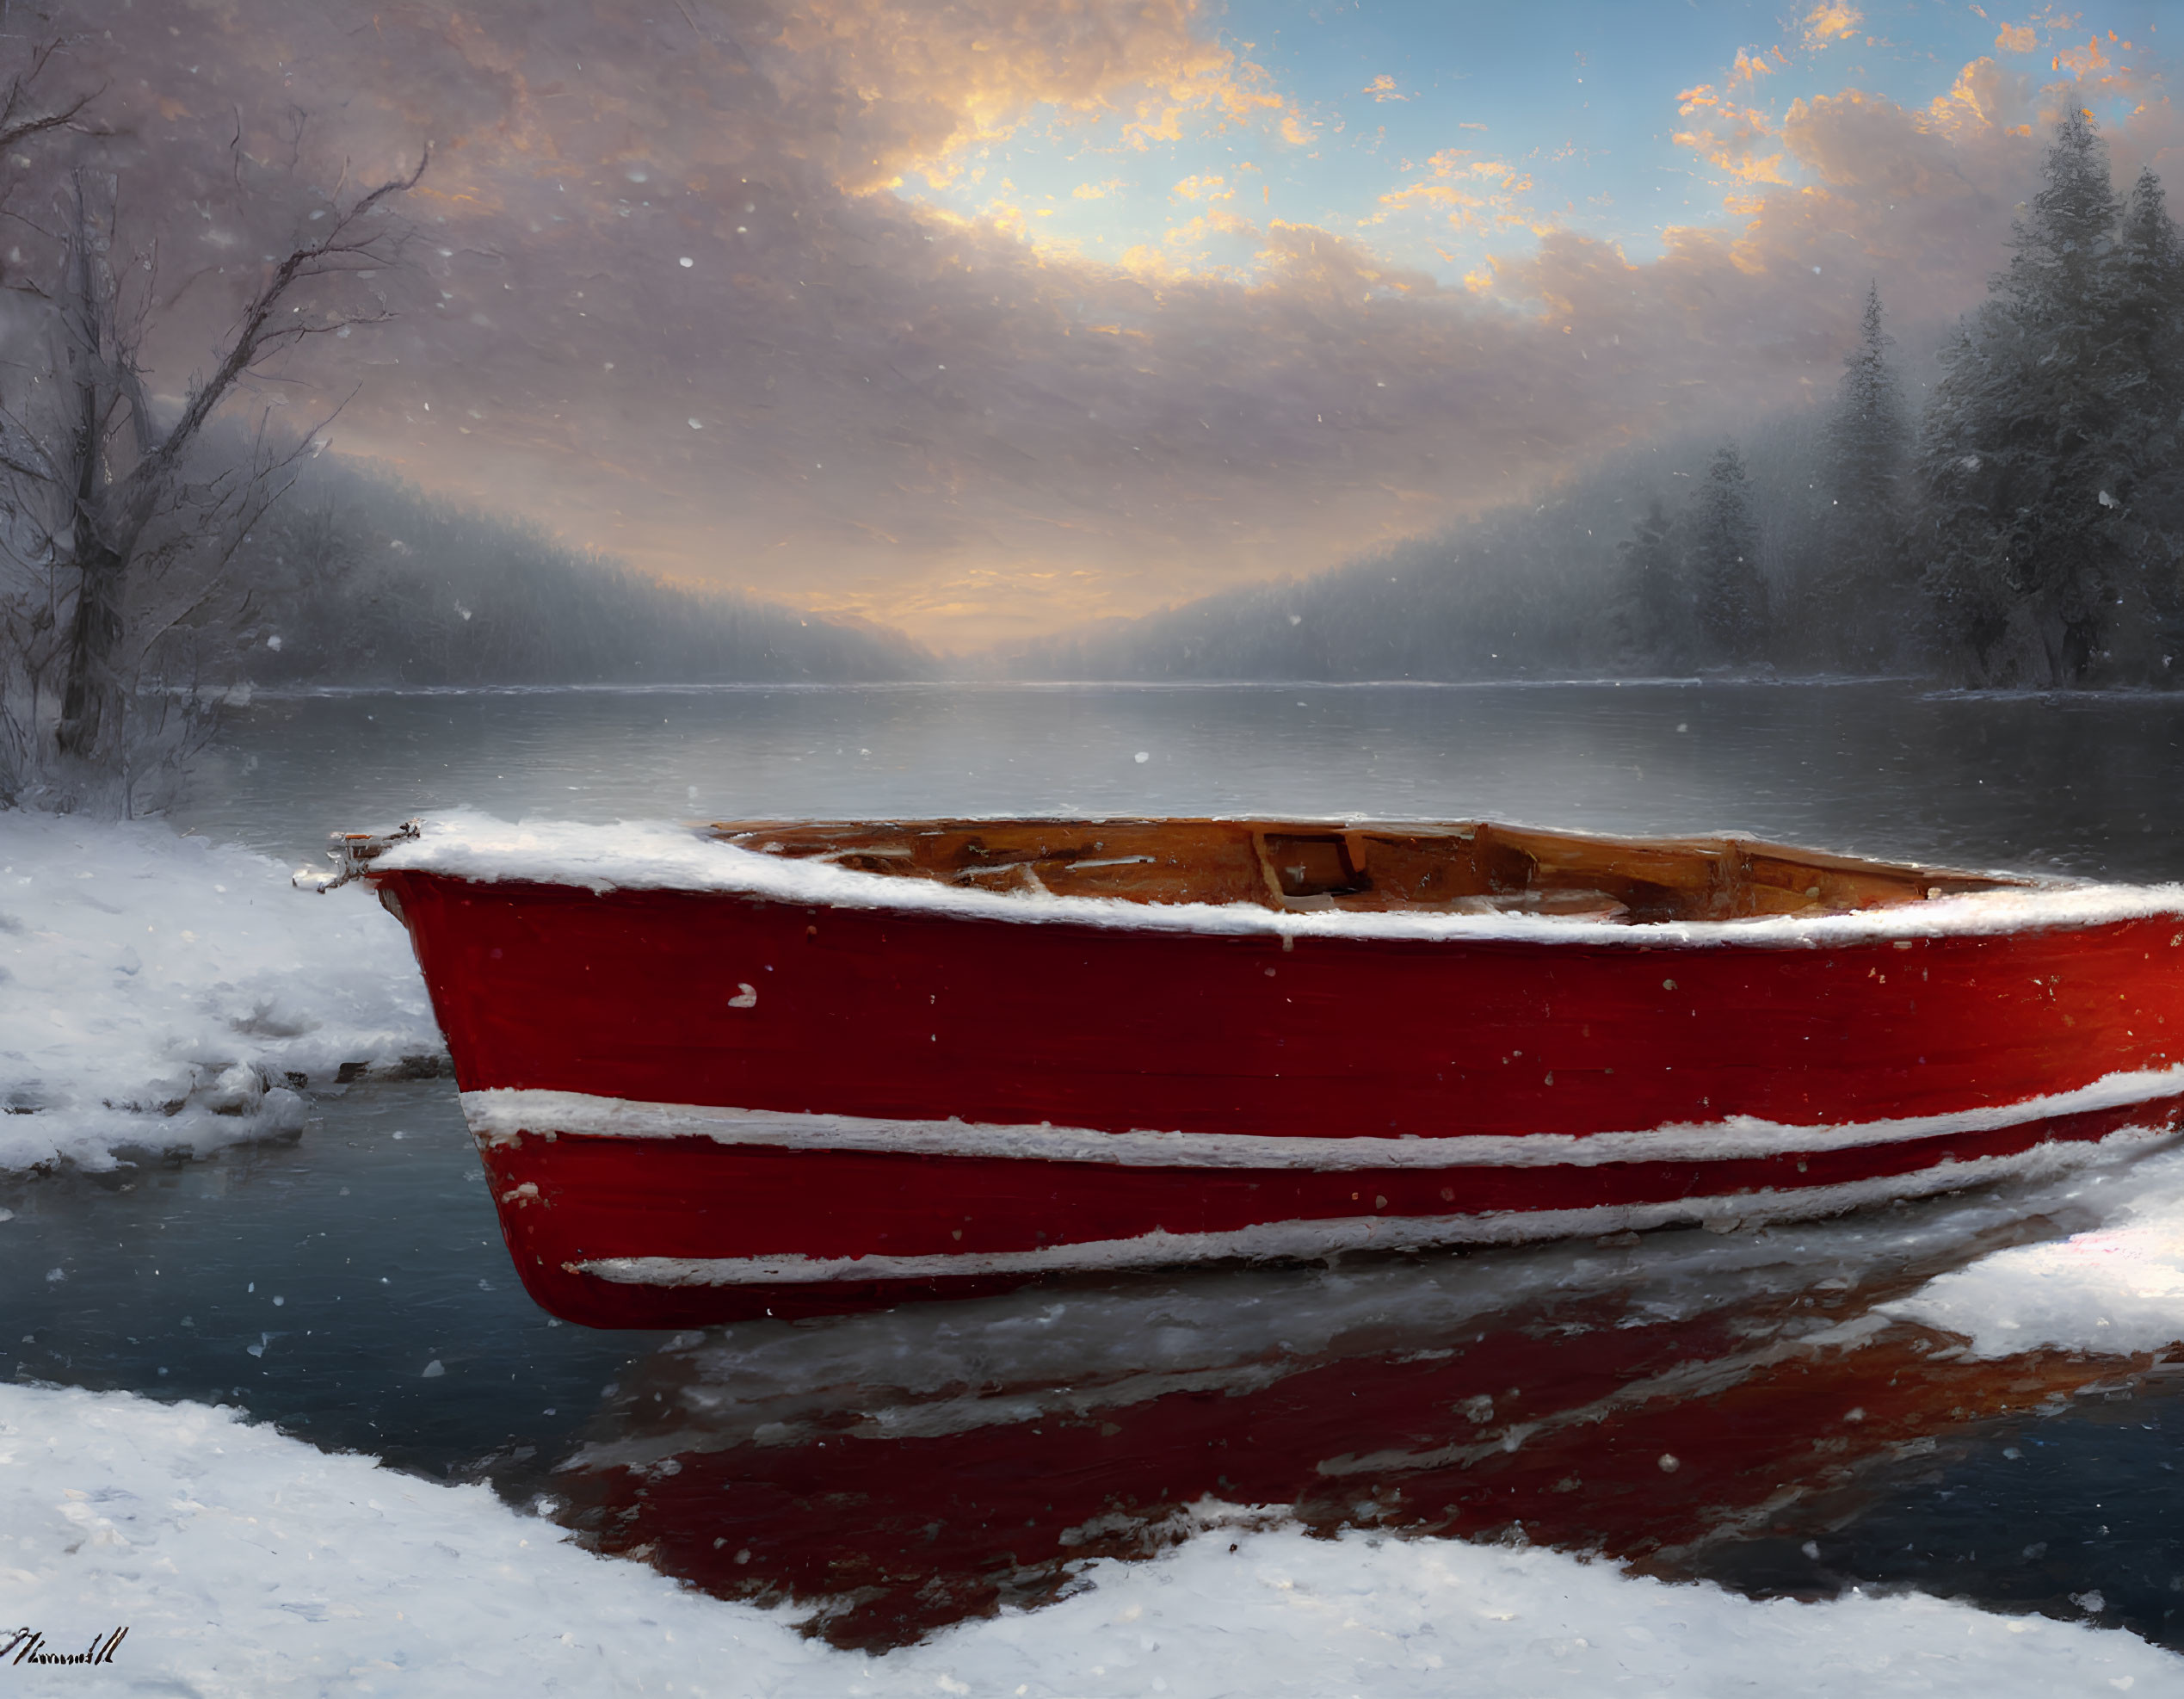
column 767, row 1065
column 647, row 856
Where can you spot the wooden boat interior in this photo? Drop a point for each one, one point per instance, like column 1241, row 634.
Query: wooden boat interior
column 1469, row 868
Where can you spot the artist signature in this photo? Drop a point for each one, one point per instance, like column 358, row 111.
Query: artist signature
column 28, row 1645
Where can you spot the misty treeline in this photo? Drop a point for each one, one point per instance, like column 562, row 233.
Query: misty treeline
column 2023, row 528
column 359, row 579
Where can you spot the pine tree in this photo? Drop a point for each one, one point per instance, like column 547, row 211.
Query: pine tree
column 1732, row 595
column 2014, row 463
column 1867, row 436
column 1653, row 612
column 2146, row 264
column 1861, row 599
column 2143, row 361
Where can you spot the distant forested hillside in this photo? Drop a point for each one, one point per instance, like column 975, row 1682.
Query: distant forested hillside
column 359, row 579
column 1537, row 589
column 2023, row 527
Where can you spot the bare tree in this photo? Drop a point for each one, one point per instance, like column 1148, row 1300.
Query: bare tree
column 120, row 525
column 28, row 109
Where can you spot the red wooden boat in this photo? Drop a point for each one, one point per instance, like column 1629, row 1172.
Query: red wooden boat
column 788, row 1069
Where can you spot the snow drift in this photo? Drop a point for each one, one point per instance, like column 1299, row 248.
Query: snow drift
column 167, row 993
column 242, row 1561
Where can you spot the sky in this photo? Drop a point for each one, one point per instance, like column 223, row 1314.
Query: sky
column 1433, row 132
column 984, row 319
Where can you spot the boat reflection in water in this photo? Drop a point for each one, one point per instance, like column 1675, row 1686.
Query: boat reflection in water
column 1651, row 1400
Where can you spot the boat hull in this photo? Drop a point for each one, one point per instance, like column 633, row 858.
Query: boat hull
column 698, row 1106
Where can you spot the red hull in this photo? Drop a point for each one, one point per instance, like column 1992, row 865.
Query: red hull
column 696, row 1106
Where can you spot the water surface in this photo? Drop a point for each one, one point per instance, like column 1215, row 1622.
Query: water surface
column 2082, row 783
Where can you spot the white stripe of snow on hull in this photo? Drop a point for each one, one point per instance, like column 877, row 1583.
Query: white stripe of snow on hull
column 498, row 1115
column 643, row 856
column 1305, row 1240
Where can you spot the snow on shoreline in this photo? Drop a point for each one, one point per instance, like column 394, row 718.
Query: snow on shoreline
column 245, row 1562
column 157, row 991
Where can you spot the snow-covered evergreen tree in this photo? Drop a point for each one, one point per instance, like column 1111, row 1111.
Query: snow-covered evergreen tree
column 2142, row 359
column 1653, row 604
column 1867, row 435
column 1861, row 596
column 2016, row 461
column 1725, row 559
column 2147, row 264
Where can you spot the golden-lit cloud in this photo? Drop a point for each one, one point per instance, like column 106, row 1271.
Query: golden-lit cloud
column 907, row 86
column 2082, row 61
column 1439, row 195
column 1383, row 87
column 1750, row 67
column 1983, row 96
column 1466, row 189
column 1192, row 236
column 1730, row 138
column 1209, row 84
column 2017, row 38
column 1207, row 188
column 1831, row 21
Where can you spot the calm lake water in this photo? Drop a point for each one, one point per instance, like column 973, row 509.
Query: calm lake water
column 2082, row 783
column 905, row 1468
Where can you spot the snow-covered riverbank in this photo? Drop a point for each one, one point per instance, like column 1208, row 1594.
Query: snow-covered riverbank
column 244, row 1562
column 158, row 991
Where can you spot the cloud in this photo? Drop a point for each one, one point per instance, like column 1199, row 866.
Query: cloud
column 2017, row 38
column 1383, row 87
column 1208, row 83
column 1831, row 21
column 1438, row 196
column 1984, row 96
column 1730, row 138
column 1462, row 186
column 1750, row 67
column 2082, row 61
